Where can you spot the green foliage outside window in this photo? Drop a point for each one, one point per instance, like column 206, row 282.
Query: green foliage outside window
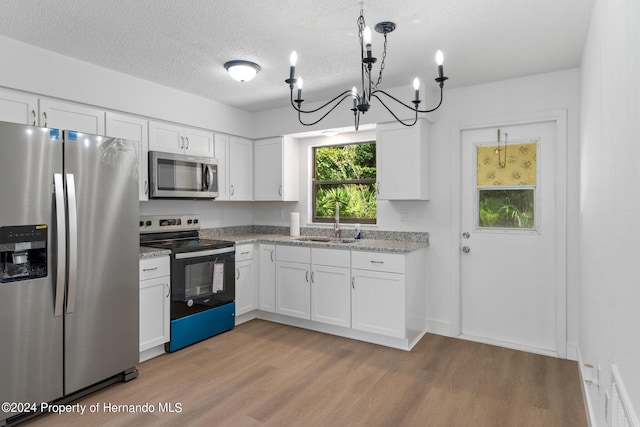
column 346, row 175
column 506, row 208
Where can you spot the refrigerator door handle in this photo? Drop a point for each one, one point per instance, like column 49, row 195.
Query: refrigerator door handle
column 73, row 243
column 61, row 243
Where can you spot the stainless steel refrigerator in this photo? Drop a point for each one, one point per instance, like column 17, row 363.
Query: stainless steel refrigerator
column 68, row 264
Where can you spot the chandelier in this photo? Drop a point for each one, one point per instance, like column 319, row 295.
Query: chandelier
column 369, row 89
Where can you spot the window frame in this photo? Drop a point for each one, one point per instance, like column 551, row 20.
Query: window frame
column 315, row 184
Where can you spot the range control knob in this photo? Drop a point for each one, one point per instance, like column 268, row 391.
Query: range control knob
column 190, row 221
column 195, row 221
column 148, row 223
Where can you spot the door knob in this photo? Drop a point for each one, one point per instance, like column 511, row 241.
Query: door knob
column 466, row 249
column 466, row 235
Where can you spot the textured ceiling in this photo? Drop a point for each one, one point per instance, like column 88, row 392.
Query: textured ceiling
column 184, row 44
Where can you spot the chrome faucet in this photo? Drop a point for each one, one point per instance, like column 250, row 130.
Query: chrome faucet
column 336, row 224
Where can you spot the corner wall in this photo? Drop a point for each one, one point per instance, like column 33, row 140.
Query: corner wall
column 610, row 200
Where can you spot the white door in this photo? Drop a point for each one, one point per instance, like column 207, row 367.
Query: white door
column 510, row 286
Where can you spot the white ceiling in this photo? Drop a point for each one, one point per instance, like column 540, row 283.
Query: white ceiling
column 184, row 44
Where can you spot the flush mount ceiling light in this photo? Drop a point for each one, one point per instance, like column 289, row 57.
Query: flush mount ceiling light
column 242, row 71
column 369, row 89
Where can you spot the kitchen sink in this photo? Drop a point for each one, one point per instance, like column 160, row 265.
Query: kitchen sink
column 323, row 239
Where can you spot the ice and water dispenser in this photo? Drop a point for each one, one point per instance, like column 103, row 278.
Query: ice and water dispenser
column 23, row 252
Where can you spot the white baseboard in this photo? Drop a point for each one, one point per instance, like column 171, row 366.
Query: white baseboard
column 586, row 395
column 439, row 327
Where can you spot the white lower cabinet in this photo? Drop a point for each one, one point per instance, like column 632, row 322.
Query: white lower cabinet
column 373, row 296
column 330, row 289
column 155, row 287
column 267, row 274
column 246, row 295
column 293, row 275
column 378, row 293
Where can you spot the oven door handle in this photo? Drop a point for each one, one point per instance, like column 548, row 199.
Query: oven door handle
column 198, row 254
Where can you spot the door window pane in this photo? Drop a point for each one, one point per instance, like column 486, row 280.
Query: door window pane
column 506, row 208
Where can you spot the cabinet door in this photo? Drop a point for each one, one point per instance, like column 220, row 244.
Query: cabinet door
column 16, row 107
column 134, row 128
column 154, row 312
column 64, row 115
column 401, row 157
column 267, row 272
column 198, row 142
column 221, row 153
column 268, row 169
column 331, row 295
column 378, row 302
column 166, row 137
column 240, row 169
column 292, row 289
column 245, row 295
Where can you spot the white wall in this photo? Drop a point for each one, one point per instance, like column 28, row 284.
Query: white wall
column 494, row 102
column 42, row 72
column 610, row 199
column 546, row 92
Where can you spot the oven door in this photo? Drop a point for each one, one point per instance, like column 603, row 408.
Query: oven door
column 182, row 176
column 201, row 280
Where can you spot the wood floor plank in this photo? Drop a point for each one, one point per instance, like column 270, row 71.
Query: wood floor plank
column 267, row 374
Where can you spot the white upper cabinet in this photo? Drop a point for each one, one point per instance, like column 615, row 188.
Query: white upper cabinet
column 65, row 115
column 134, row 128
column 401, row 157
column 17, row 107
column 240, row 168
column 276, row 166
column 235, row 167
column 173, row 138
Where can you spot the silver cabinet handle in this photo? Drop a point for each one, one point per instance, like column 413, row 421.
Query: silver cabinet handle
column 61, row 236
column 312, row 279
column 35, row 117
column 272, row 255
column 150, row 269
column 378, row 187
column 353, row 282
column 232, row 189
column 280, row 190
column 466, row 235
column 187, row 139
column 306, row 275
column 245, row 253
column 44, row 114
column 466, row 249
column 237, row 274
column 168, row 290
column 146, row 186
column 182, row 142
column 73, row 243
column 376, row 262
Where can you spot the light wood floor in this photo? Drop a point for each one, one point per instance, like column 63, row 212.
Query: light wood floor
column 266, row 374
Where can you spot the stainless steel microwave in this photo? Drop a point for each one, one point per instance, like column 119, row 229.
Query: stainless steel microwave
column 181, row 176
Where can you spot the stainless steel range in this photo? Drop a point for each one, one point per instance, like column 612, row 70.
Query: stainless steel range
column 202, row 277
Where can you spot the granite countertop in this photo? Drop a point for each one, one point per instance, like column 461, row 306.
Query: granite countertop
column 146, row 252
column 372, row 245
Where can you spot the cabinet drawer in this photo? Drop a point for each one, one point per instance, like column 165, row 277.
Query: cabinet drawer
column 244, row 252
column 293, row 254
column 330, row 257
column 376, row 261
column 154, row 267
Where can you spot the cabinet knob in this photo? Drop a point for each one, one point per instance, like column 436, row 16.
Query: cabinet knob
column 466, row 249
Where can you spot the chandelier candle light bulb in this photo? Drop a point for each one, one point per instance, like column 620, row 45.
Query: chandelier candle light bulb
column 299, row 83
column 440, row 61
column 416, row 87
column 293, row 59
